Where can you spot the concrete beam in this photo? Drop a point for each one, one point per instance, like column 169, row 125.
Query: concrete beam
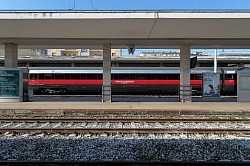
column 95, row 28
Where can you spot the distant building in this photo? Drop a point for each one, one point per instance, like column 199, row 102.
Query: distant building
column 114, row 52
column 80, row 52
column 166, row 54
column 159, row 54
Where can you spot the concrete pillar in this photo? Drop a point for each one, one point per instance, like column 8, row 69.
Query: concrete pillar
column 11, row 59
column 185, row 88
column 72, row 64
column 106, row 87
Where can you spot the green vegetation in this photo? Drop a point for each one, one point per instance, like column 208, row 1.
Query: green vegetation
column 243, row 135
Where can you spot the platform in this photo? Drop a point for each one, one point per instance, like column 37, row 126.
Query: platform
column 79, row 108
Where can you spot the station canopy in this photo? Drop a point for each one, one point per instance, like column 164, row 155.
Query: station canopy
column 144, row 29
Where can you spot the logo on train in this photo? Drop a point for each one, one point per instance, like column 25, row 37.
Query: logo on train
column 124, row 81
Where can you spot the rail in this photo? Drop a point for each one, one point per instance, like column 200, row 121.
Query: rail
column 125, row 126
column 122, row 120
column 125, row 131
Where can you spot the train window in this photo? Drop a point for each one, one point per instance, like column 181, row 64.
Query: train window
column 124, row 77
column 33, row 76
column 148, row 76
column 173, row 76
column 164, row 76
column 132, row 76
column 59, row 76
column 199, row 76
column 196, row 76
column 41, row 76
column 230, row 76
column 141, row 76
column 67, row 76
column 192, row 76
column 83, row 76
column 45, row 76
column 92, row 76
column 75, row 76
column 48, row 76
column 115, row 76
column 99, row 76
column 156, row 76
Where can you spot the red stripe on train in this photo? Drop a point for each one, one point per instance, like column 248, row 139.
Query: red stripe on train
column 64, row 82
column 114, row 82
column 230, row 82
column 154, row 82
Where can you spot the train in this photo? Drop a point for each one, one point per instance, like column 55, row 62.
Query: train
column 124, row 80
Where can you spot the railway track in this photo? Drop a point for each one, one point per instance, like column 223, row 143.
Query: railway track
column 123, row 120
column 126, row 126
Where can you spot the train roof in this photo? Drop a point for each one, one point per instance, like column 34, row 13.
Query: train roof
column 126, row 70
column 231, row 70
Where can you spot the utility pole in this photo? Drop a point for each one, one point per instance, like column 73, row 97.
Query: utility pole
column 215, row 60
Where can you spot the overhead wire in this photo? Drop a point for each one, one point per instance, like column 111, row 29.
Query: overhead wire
column 93, row 5
column 171, row 4
column 156, row 19
column 74, row 4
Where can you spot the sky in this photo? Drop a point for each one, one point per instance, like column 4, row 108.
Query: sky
column 122, row 4
column 127, row 5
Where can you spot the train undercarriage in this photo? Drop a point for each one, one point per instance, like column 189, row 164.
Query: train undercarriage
column 121, row 90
